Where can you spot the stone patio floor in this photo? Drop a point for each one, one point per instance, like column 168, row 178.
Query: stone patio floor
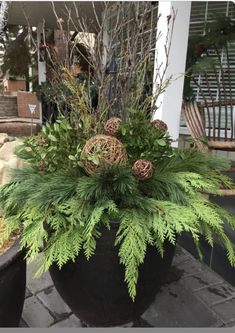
column 194, row 296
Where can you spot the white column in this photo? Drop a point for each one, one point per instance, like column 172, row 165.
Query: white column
column 41, row 64
column 169, row 103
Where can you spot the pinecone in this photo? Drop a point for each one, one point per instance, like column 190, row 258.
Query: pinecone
column 143, row 169
column 112, row 125
column 159, row 124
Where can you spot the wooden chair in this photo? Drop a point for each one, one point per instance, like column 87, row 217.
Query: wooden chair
column 205, row 124
column 211, row 125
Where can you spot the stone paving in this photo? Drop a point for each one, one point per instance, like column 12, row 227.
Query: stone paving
column 194, row 296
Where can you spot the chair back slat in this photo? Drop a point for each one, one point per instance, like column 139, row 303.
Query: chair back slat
column 194, row 123
column 221, row 130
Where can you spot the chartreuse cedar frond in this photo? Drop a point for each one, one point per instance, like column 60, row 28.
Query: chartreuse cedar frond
column 33, row 234
column 173, row 219
column 224, row 214
column 132, row 236
column 90, row 229
column 61, row 248
column 192, row 181
column 12, row 225
column 230, row 249
column 68, row 219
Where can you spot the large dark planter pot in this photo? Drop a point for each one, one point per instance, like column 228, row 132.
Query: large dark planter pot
column 95, row 290
column 12, row 286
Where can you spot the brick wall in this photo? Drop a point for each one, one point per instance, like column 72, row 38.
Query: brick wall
column 14, row 85
column 23, row 99
column 8, row 106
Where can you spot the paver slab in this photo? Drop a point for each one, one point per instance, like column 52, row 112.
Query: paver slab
column 37, row 284
column 35, row 314
column 174, row 306
column 201, row 280
column 215, row 294
column 72, row 321
column 52, row 300
column 226, row 310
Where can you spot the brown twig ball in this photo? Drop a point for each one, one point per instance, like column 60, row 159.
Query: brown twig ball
column 107, row 149
column 112, row 125
column 159, row 124
column 143, row 169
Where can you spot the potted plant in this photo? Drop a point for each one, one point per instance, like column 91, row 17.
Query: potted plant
column 12, row 261
column 104, row 201
column 103, row 193
column 12, row 278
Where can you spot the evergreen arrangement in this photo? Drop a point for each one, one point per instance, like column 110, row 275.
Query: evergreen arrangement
column 105, row 159
column 61, row 210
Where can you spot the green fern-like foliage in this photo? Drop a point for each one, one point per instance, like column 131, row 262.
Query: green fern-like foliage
column 142, row 140
column 63, row 214
column 62, row 211
column 56, row 147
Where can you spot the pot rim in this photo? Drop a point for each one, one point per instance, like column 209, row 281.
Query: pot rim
column 10, row 255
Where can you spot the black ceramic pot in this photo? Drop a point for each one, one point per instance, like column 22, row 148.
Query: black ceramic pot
column 12, row 286
column 95, row 290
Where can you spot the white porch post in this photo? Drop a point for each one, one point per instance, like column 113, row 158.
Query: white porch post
column 41, row 64
column 169, row 102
